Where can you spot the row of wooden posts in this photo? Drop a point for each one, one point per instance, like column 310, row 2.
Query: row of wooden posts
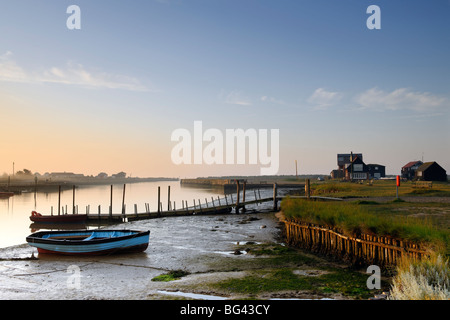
column 360, row 249
column 237, row 204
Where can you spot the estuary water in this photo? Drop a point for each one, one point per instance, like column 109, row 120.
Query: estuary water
column 16, row 210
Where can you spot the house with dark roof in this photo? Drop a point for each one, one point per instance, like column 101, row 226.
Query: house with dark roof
column 352, row 167
column 431, row 171
column 357, row 170
column 409, row 169
column 376, row 171
column 343, row 161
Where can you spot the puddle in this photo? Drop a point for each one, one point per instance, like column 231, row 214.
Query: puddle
column 192, row 295
column 197, row 296
column 232, row 253
column 243, row 243
column 309, row 273
column 300, row 299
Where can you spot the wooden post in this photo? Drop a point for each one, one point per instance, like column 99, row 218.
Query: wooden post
column 215, row 209
column 59, row 200
column 307, row 188
column 111, row 202
column 219, row 201
column 243, row 195
column 168, row 199
column 123, row 200
column 206, row 202
column 275, row 205
column 35, row 190
column 73, row 200
column 238, row 196
column 159, row 199
column 200, row 206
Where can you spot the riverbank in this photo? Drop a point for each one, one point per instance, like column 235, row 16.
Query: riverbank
column 228, row 256
column 48, row 185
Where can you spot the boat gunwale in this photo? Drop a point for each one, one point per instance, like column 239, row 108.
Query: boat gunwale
column 68, row 218
column 37, row 237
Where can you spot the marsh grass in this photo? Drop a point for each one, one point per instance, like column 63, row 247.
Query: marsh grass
column 171, row 276
column 428, row 279
column 355, row 218
column 379, row 188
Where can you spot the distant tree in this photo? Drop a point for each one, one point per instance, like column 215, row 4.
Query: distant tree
column 120, row 175
column 102, row 175
column 24, row 172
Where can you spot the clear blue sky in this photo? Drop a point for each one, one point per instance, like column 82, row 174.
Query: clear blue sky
column 107, row 97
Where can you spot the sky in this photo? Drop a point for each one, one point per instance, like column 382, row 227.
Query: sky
column 108, row 97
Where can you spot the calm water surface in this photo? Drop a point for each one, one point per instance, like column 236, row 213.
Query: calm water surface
column 15, row 211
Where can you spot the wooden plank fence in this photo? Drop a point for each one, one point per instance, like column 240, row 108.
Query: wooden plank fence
column 364, row 249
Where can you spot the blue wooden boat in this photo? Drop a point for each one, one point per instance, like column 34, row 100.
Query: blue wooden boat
column 89, row 242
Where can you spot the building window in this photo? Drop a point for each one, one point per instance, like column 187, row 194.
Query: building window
column 360, row 175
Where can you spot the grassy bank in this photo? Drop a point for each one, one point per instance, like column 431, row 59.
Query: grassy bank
column 278, row 271
column 360, row 217
column 378, row 188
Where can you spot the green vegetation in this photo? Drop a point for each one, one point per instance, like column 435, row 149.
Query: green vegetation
column 351, row 284
column 355, row 218
column 170, row 276
column 378, row 188
column 290, row 272
column 428, row 279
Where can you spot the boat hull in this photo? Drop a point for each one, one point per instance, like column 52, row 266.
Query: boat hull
column 68, row 218
column 97, row 242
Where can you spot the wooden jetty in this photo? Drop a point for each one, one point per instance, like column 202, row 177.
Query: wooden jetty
column 220, row 205
column 224, row 205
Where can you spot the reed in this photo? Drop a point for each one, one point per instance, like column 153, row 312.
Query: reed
column 352, row 219
column 427, row 279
